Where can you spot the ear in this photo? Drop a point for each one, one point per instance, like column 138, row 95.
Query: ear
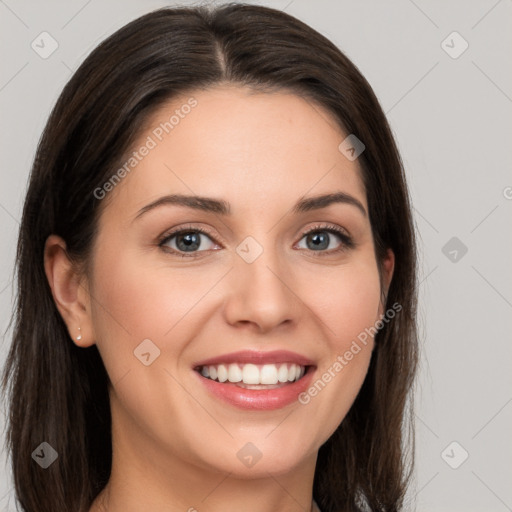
column 387, row 269
column 69, row 290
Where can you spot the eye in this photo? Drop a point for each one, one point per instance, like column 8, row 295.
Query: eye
column 320, row 239
column 187, row 240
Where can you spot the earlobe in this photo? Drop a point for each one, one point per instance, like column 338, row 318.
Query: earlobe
column 388, row 266
column 69, row 294
column 387, row 270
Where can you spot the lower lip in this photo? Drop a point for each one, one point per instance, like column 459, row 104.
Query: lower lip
column 258, row 399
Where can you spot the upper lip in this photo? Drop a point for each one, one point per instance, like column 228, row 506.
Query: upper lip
column 257, row 357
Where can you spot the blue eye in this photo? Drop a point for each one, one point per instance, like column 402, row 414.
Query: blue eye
column 320, row 238
column 187, row 242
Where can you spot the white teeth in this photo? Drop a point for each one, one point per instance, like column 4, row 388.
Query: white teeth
column 268, row 374
column 282, row 374
column 222, row 373
column 234, row 373
column 252, row 374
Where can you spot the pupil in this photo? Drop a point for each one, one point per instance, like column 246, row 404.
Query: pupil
column 191, row 240
column 320, row 240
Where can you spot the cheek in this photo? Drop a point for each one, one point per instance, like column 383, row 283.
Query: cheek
column 346, row 299
column 132, row 303
column 350, row 315
column 143, row 299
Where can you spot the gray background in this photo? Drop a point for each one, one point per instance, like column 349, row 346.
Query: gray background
column 452, row 121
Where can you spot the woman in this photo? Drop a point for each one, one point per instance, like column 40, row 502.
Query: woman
column 216, row 279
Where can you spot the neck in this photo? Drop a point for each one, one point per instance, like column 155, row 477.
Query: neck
column 215, row 493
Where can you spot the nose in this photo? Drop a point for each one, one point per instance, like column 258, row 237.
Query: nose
column 261, row 294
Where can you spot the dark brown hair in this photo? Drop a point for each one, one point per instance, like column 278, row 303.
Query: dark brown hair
column 58, row 392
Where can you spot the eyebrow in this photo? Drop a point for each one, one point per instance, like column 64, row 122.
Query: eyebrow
column 221, row 207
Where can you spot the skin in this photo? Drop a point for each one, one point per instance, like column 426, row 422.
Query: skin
column 175, row 445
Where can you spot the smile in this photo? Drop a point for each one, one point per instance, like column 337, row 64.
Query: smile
column 252, row 374
column 256, row 380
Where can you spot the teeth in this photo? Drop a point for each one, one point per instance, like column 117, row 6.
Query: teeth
column 234, row 373
column 282, row 373
column 250, row 374
column 268, row 374
column 253, row 374
column 222, row 373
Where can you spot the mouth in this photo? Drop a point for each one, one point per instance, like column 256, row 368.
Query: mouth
column 254, row 376
column 256, row 380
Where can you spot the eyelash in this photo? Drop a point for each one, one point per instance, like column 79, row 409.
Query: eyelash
column 346, row 241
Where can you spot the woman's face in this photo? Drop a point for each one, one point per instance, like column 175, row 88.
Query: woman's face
column 252, row 295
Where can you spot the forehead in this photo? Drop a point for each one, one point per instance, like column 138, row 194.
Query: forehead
column 254, row 149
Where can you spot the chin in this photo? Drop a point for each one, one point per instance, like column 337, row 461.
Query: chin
column 258, row 458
